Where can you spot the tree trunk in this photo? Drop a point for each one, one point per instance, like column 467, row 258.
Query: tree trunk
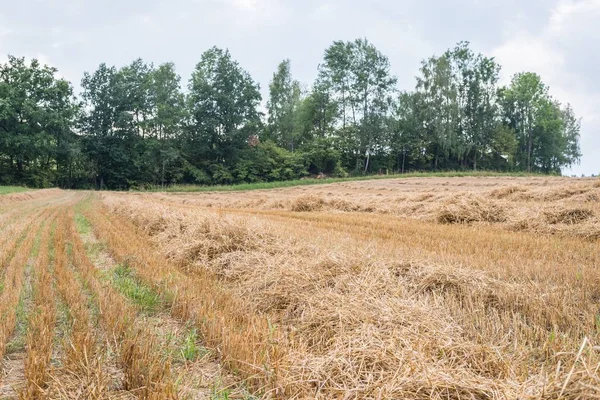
column 163, row 175
column 344, row 107
column 529, row 149
column 403, row 159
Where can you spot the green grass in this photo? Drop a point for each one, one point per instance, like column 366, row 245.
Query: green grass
column 190, row 350
column 82, row 224
column 312, row 181
column 121, row 276
column 125, row 281
column 12, row 189
column 84, row 227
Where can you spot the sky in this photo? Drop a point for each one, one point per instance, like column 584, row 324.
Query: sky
column 558, row 39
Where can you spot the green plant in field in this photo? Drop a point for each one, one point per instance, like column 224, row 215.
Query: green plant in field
column 190, row 350
column 552, row 337
column 82, row 224
column 93, row 249
column 219, row 394
column 126, row 282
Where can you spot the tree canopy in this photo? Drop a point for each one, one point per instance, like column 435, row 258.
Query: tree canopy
column 138, row 125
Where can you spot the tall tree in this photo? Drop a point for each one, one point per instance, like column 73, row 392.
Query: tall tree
column 439, row 94
column 37, row 114
column 547, row 135
column 407, row 140
column 359, row 77
column 336, row 72
column 523, row 101
column 166, row 123
column 168, row 103
column 572, row 128
column 223, row 104
column 475, row 78
column 134, row 85
column 283, row 106
column 109, row 128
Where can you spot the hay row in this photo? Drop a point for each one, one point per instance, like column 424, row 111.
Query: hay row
column 9, row 298
column 81, row 373
column 146, row 374
column 247, row 343
column 40, row 330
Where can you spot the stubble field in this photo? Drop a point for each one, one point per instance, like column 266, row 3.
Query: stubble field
column 418, row 288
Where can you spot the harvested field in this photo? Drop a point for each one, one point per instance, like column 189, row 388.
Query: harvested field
column 73, row 325
column 419, row 288
column 548, row 205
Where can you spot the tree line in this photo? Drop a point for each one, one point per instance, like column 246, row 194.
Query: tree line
column 137, row 125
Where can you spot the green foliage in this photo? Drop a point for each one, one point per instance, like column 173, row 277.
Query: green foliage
column 320, row 155
column 282, row 106
column 268, row 162
column 136, row 127
column 358, row 75
column 223, row 104
column 547, row 135
column 37, row 114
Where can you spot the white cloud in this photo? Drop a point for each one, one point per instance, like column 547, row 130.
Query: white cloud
column 266, row 10
column 527, row 52
column 247, row 4
column 563, row 15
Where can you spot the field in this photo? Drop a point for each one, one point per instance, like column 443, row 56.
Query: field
column 413, row 288
column 12, row 189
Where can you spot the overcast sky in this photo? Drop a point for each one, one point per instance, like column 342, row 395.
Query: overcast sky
column 558, row 39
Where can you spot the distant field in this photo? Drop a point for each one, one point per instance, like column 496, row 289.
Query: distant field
column 12, row 189
column 324, row 181
column 479, row 287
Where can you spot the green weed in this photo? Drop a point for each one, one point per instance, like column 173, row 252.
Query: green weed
column 125, row 281
column 190, row 350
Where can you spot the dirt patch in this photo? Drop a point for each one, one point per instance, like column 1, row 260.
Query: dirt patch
column 12, row 378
